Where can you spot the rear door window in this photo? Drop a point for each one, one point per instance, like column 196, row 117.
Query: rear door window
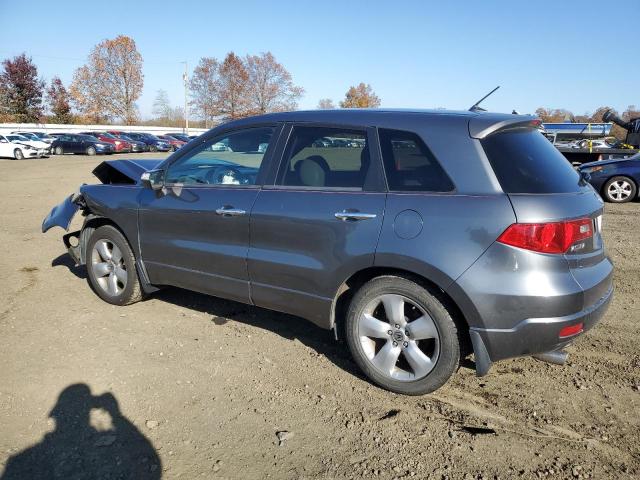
column 524, row 161
column 326, row 157
column 410, row 165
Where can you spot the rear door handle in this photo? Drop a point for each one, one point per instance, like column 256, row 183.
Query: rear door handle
column 230, row 212
column 346, row 215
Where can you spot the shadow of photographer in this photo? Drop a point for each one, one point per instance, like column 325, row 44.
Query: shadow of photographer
column 78, row 450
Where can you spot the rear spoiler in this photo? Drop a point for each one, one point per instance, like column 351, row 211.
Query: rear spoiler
column 483, row 125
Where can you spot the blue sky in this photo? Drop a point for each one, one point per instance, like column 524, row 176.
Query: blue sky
column 414, row 53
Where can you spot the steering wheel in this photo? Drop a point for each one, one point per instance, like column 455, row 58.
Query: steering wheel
column 224, row 175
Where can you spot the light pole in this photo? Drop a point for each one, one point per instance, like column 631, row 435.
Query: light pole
column 185, row 78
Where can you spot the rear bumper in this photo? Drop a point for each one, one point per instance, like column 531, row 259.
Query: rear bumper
column 538, row 335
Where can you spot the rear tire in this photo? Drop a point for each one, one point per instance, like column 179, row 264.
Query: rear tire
column 17, row 153
column 91, row 151
column 412, row 350
column 111, row 267
column 620, row 189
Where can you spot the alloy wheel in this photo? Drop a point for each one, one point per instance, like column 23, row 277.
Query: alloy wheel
column 619, row 190
column 398, row 337
column 108, row 267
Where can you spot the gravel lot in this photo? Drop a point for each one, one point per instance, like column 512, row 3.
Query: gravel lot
column 183, row 385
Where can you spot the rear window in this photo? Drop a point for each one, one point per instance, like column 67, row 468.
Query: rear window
column 526, row 162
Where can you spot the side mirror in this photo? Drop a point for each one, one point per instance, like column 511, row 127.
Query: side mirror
column 153, row 179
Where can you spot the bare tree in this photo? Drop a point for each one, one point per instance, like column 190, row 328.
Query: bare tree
column 204, row 86
column 630, row 113
column 111, row 82
column 326, row 104
column 361, row 96
column 161, row 106
column 554, row 115
column 233, row 80
column 270, row 85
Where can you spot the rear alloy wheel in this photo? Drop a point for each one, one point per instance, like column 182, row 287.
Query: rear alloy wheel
column 402, row 336
column 17, row 153
column 111, row 267
column 58, row 150
column 620, row 190
column 91, row 151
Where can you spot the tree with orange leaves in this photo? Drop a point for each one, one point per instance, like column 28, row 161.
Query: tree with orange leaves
column 361, row 96
column 111, row 81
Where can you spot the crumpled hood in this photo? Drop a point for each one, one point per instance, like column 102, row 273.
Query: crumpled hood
column 124, row 171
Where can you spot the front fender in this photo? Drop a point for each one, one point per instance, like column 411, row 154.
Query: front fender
column 62, row 214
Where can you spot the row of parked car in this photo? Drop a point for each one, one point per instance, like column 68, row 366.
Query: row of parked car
column 22, row 144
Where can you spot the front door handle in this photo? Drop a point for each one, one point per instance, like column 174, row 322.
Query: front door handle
column 347, row 215
column 230, row 211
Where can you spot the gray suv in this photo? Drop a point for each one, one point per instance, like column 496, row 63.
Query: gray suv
column 419, row 236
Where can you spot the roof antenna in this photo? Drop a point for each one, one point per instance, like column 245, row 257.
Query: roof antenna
column 476, row 107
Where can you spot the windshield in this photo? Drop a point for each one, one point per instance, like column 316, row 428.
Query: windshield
column 151, row 137
column 17, row 138
column 88, row 138
column 28, row 135
column 108, row 135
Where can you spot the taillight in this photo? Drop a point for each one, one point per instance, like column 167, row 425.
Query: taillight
column 556, row 237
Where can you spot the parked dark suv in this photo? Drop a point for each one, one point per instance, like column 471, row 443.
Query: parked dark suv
column 420, row 236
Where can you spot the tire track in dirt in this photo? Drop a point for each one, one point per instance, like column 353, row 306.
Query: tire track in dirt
column 31, row 281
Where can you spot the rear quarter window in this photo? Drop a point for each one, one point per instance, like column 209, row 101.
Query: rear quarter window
column 524, row 161
column 410, row 165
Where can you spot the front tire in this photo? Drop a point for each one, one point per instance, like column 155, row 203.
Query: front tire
column 17, row 153
column 402, row 336
column 91, row 151
column 58, row 150
column 153, row 148
column 620, row 189
column 111, row 267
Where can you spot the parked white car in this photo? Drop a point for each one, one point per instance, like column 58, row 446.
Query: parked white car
column 19, row 147
column 39, row 136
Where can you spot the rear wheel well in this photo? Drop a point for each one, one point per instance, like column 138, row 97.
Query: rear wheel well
column 348, row 289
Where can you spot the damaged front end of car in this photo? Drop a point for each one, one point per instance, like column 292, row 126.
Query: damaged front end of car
column 61, row 216
column 113, row 200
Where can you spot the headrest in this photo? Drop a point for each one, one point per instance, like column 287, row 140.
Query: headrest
column 313, row 171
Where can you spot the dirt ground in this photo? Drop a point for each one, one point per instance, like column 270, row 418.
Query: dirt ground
column 184, row 386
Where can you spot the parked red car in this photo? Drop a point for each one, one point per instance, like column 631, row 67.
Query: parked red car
column 174, row 142
column 119, row 145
